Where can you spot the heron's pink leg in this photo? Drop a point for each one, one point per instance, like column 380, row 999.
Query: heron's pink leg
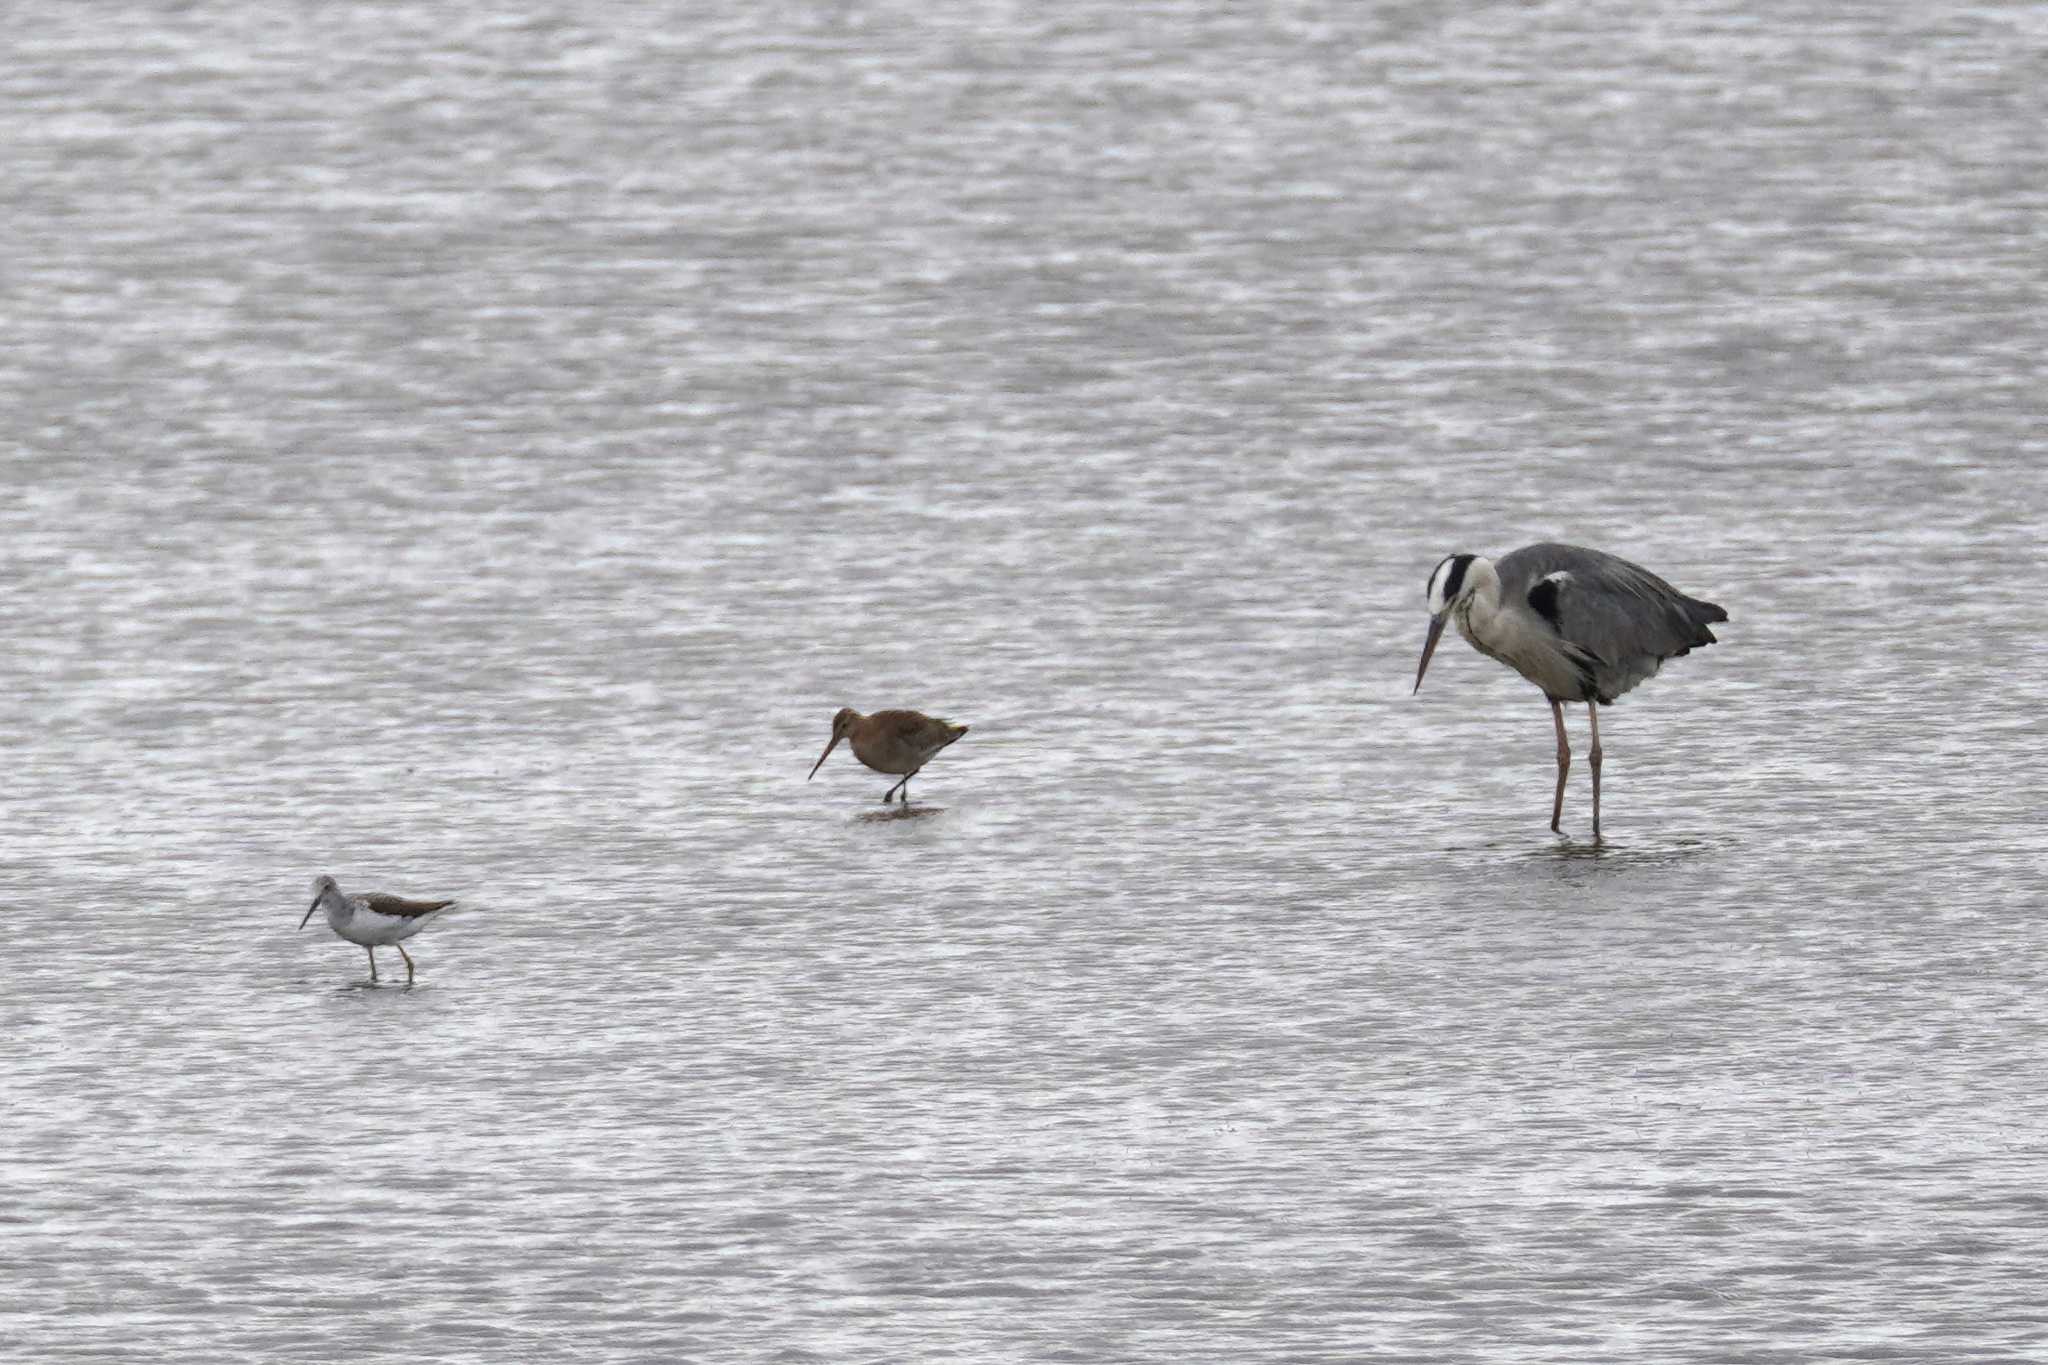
column 1593, row 715
column 1564, row 764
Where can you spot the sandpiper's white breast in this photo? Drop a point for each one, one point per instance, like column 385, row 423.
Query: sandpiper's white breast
column 373, row 929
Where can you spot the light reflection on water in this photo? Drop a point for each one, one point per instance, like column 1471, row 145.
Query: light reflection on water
column 494, row 491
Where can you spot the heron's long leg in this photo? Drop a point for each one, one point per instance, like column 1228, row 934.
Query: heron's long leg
column 373, row 960
column 1593, row 757
column 408, row 961
column 1564, row 764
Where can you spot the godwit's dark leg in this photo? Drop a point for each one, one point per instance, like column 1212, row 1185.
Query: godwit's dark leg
column 1593, row 715
column 373, row 960
column 408, row 961
column 1564, row 764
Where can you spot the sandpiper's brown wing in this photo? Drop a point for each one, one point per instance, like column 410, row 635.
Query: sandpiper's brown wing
column 400, row 907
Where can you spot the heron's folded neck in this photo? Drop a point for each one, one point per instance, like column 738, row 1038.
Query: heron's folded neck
column 1474, row 613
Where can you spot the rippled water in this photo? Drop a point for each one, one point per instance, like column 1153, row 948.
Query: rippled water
column 473, row 452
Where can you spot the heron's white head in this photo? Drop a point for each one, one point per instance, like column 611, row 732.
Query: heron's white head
column 1453, row 579
column 1451, row 584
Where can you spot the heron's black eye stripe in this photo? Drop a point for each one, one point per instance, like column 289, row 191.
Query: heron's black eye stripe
column 1455, row 579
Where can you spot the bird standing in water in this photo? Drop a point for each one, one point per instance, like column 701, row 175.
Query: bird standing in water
column 1583, row 625
column 372, row 919
column 890, row 742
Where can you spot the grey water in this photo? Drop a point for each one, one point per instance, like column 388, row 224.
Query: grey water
column 473, row 450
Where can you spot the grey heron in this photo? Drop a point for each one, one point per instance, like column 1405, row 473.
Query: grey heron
column 1583, row 625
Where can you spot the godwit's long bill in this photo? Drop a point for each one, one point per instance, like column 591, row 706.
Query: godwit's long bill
column 372, row 919
column 890, row 742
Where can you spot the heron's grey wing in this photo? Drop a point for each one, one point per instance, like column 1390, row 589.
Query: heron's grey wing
column 1627, row 619
column 402, row 908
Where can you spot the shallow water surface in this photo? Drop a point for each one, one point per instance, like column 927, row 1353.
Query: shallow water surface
column 475, row 454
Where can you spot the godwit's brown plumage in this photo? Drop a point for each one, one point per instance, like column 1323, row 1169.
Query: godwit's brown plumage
column 891, row 742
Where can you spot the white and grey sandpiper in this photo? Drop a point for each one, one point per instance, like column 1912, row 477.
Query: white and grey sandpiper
column 372, row 919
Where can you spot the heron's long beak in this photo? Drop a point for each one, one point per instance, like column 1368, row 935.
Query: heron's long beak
column 309, row 911
column 822, row 757
column 1436, row 630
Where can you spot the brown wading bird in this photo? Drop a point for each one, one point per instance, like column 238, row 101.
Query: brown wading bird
column 890, row 742
column 1581, row 624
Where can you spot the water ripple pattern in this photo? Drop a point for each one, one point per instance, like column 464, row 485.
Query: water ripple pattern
column 474, row 450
